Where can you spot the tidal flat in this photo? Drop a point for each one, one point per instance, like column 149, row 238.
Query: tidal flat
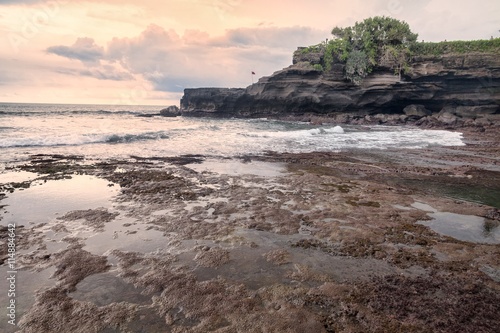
column 281, row 242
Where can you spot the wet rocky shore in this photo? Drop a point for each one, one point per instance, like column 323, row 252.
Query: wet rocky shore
column 356, row 241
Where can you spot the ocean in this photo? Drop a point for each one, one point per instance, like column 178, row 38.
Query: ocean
column 119, row 131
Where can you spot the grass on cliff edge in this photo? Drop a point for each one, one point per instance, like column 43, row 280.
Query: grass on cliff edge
column 438, row 48
column 459, row 46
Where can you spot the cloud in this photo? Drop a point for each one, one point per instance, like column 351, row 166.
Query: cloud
column 105, row 73
column 17, row 2
column 152, row 45
column 274, row 37
column 194, row 43
column 172, row 62
column 4, row 78
column 84, row 49
column 169, row 62
column 10, row 74
column 437, row 20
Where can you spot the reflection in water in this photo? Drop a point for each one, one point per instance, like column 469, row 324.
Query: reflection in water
column 40, row 205
column 42, row 202
column 467, row 228
column 105, row 288
column 27, row 285
column 235, row 168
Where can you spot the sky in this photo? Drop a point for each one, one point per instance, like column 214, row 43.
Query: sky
column 146, row 52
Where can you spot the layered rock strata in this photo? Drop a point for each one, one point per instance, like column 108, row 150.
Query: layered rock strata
column 454, row 90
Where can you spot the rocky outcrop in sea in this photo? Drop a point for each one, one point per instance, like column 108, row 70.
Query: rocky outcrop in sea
column 453, row 90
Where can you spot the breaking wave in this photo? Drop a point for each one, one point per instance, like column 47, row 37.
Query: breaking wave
column 81, row 139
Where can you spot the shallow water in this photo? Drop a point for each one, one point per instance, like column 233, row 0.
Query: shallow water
column 27, row 284
column 237, row 168
column 17, row 177
column 467, row 228
column 472, row 193
column 106, row 288
column 41, row 204
column 477, row 194
column 45, row 201
column 134, row 236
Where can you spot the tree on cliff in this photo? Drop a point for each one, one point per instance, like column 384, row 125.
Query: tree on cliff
column 374, row 41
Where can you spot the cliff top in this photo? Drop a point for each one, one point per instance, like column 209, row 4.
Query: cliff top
column 382, row 42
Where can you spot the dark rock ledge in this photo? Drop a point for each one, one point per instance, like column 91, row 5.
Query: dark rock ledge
column 454, row 90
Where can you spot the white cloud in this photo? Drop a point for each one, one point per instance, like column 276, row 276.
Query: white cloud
column 84, row 49
column 171, row 62
column 105, row 73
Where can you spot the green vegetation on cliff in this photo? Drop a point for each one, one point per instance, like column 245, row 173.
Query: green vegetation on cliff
column 386, row 42
column 372, row 41
column 460, row 47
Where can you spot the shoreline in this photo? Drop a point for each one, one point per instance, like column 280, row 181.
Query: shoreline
column 316, row 241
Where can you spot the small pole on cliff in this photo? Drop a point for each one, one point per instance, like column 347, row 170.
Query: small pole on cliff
column 253, row 73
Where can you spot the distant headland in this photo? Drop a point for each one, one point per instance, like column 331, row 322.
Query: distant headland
column 372, row 72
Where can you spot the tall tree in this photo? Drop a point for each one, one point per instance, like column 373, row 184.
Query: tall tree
column 380, row 39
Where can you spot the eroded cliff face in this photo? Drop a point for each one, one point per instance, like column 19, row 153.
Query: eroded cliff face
column 216, row 102
column 461, row 88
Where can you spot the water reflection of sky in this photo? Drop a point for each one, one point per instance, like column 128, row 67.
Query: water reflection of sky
column 467, row 228
column 44, row 201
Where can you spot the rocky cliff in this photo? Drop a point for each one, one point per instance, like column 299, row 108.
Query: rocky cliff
column 454, row 89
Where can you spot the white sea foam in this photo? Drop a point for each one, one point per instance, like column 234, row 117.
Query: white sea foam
column 75, row 139
column 93, row 135
column 336, row 129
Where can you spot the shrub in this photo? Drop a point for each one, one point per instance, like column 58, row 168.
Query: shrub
column 357, row 66
column 318, row 67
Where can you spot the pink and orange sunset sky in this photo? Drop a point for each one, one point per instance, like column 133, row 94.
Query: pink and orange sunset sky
column 148, row 51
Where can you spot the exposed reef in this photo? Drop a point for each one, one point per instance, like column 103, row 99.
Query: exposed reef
column 334, row 242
